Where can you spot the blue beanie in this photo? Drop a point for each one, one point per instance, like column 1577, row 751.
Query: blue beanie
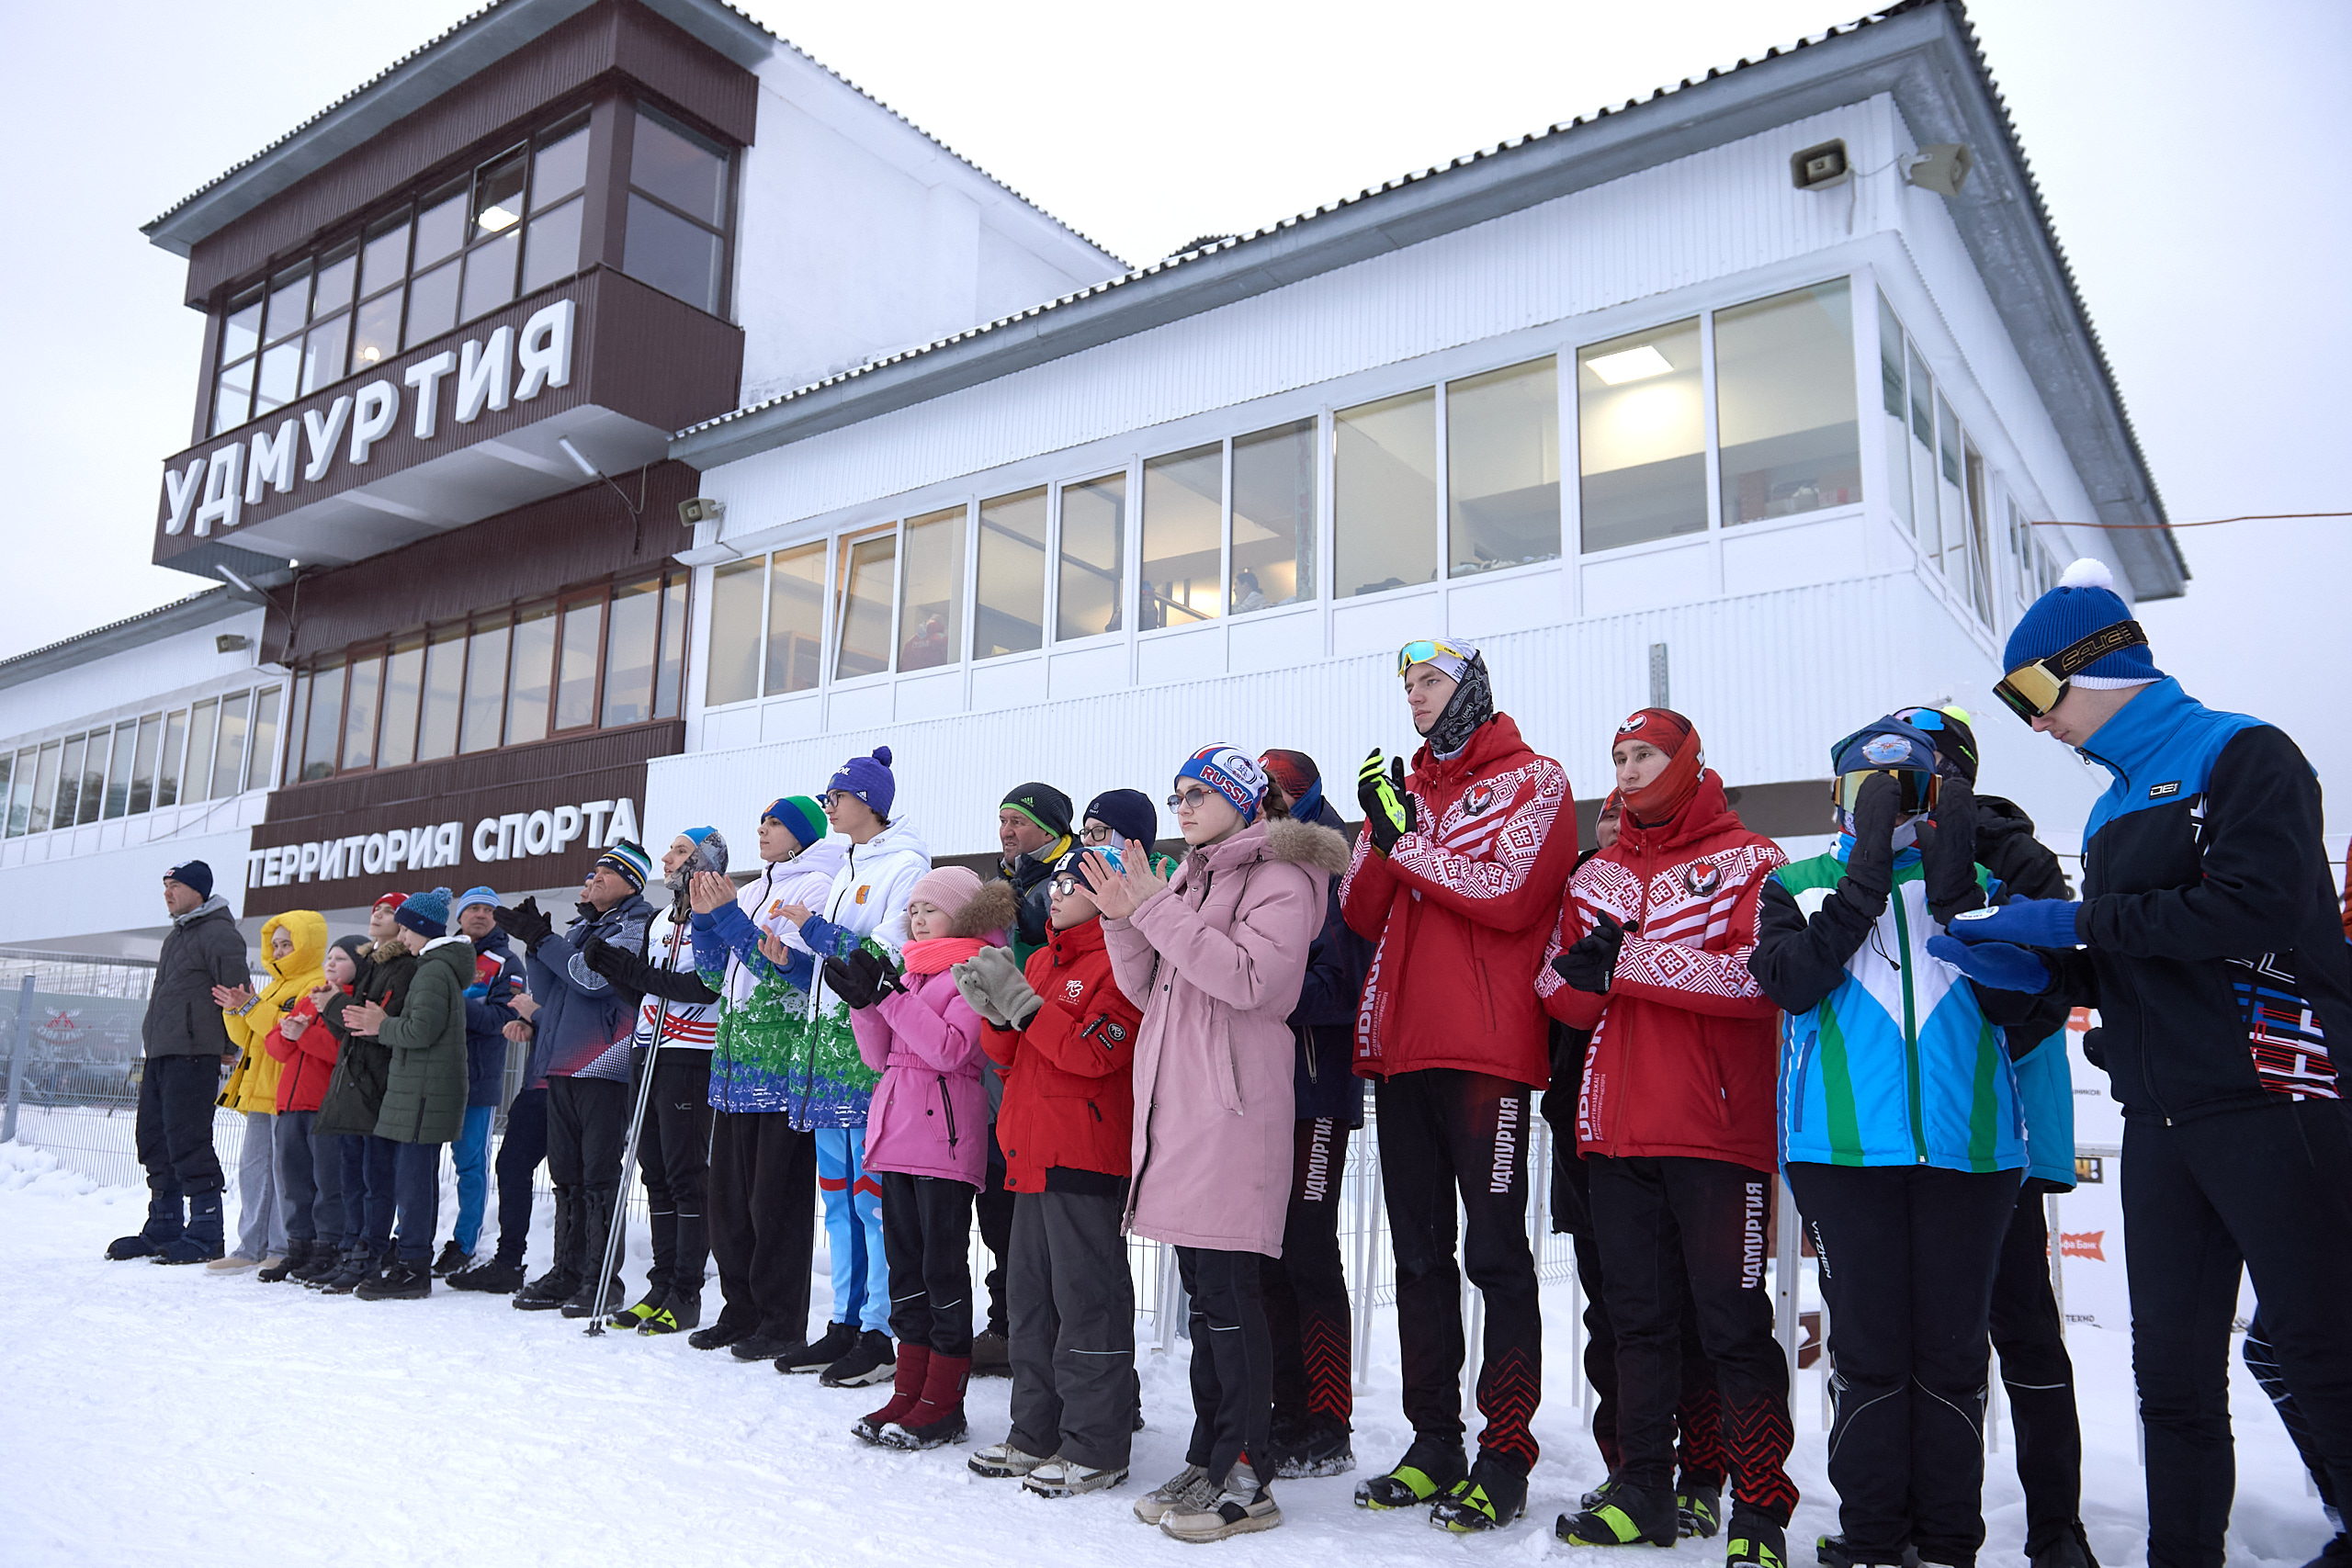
column 1129, row 813
column 425, row 913
column 868, row 778
column 473, row 895
column 194, row 876
column 1883, row 743
column 801, row 817
column 2084, row 602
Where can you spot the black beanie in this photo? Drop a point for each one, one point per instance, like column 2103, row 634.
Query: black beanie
column 1042, row 804
column 1129, row 813
column 1949, row 729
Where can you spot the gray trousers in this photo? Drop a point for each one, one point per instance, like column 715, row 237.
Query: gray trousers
column 261, row 1209
column 1073, row 1320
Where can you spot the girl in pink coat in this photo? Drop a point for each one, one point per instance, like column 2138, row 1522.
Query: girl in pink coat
column 926, row 1141
column 1215, row 955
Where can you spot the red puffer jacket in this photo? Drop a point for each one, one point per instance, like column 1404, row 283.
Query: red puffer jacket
column 1685, row 1045
column 308, row 1062
column 1068, row 1091
column 1461, row 907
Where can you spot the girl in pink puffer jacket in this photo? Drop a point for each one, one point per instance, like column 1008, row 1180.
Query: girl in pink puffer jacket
column 926, row 1142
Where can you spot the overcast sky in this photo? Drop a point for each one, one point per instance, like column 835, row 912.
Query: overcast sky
column 2188, row 156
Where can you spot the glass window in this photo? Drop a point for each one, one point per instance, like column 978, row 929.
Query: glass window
column 359, row 712
column 142, row 764
column 1784, row 404
column 490, row 275
column 289, row 304
column 338, row 274
column 376, row 336
column 551, row 247
column 325, row 727
column 262, row 754
column 1980, row 555
column 1088, row 593
column 733, row 676
column 1951, row 505
column 241, row 328
column 383, row 260
column 1890, row 380
column 94, row 779
column 298, row 720
column 1922, row 458
column 1183, row 535
column 485, row 687
column 583, row 635
column 279, row 382
column 444, row 677
column 1273, row 516
column 1384, row 493
column 432, row 304
column 670, row 676
column 203, row 724
column 8, row 773
column 41, row 809
column 167, row 767
column 529, row 683
column 403, row 695
column 498, row 195
column 229, row 755
column 1009, row 612
column 117, row 796
column 232, row 397
column 1640, row 432
column 1502, row 469
column 69, row 782
column 679, row 167
column 931, row 590
column 323, row 352
column 630, row 646
column 796, row 619
column 863, row 617
column 559, row 167
column 440, row 225
column 673, row 255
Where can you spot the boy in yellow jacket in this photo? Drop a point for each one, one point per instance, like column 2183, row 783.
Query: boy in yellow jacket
column 294, row 945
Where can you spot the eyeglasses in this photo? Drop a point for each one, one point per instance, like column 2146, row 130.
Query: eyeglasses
column 1190, row 800
column 1918, row 790
column 2030, row 690
column 1096, row 834
column 1067, row 883
column 1421, row 652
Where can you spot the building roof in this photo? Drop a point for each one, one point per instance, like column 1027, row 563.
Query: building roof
column 83, row 647
column 1908, row 49
column 470, row 47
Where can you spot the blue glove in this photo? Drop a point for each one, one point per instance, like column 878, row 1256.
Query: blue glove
column 2035, row 922
column 477, row 990
column 2003, row 965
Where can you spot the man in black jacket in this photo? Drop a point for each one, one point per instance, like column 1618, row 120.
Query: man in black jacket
column 2208, row 938
column 186, row 1044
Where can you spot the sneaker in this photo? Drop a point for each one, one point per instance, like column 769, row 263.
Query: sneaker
column 1068, row 1478
column 1698, row 1511
column 1324, row 1449
column 1240, row 1505
column 404, row 1281
column 1756, row 1541
column 496, row 1276
column 1190, row 1489
column 235, row 1263
column 991, row 1354
column 719, row 1335
column 1831, row 1552
column 874, row 1359
column 805, row 1357
column 1431, row 1466
column 547, row 1292
column 1492, row 1495
column 450, row 1261
column 1002, row 1461
column 1619, row 1515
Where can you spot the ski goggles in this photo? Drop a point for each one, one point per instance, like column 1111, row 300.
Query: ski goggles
column 2030, row 690
column 1917, row 790
column 1427, row 650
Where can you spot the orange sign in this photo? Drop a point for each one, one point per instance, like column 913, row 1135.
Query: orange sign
column 2082, row 1244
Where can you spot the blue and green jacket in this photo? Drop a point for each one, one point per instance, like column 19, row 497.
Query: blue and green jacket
column 770, row 1053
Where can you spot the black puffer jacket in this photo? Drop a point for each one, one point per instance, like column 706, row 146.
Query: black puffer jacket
column 2006, row 847
column 203, row 949
column 363, row 1066
column 1323, row 1081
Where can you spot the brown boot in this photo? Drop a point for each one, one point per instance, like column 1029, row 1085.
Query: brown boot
column 906, row 1392
column 938, row 1417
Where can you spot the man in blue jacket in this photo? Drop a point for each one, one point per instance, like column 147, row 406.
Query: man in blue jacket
column 2207, row 936
column 488, row 1010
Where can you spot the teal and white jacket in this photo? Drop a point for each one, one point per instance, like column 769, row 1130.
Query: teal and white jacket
column 1889, row 1056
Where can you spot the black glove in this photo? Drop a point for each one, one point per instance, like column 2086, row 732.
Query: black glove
column 1948, row 853
column 1591, row 959
column 526, row 924
column 1870, row 869
column 861, row 979
column 1388, row 811
column 2095, row 1048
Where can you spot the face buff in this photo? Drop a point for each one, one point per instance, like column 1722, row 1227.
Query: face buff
column 1472, row 704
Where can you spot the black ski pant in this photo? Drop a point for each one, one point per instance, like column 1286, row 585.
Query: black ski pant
column 1682, row 1242
column 519, row 1154
column 1073, row 1334
column 1233, row 1360
column 1306, row 1290
column 2262, row 1362
column 586, row 1124
column 2030, row 1337
column 673, row 1158
column 927, row 1241
column 763, row 1197
column 1907, row 1254
column 1698, row 1414
column 174, row 1132
column 1443, row 1132
column 993, row 1207
column 2267, row 1191
column 416, row 1193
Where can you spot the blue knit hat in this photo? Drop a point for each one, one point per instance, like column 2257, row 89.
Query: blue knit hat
column 473, row 895
column 868, row 778
column 425, row 913
column 194, row 876
column 1127, row 812
column 801, row 817
column 1232, row 772
column 1883, row 743
column 2084, row 602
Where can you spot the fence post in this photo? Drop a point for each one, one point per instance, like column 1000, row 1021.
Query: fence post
column 17, row 1048
column 1784, row 1275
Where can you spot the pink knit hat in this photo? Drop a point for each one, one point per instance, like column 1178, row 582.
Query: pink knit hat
column 947, row 889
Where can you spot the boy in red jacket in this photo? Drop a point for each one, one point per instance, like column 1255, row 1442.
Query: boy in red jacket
column 1457, row 876
column 1676, row 1122
column 1063, row 1034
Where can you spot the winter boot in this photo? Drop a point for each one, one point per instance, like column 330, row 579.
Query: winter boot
column 583, row 1301
column 938, row 1417
column 719, row 1335
column 562, row 1281
column 1242, row 1504
column 1493, row 1495
column 451, row 1259
column 1004, row 1462
column 1698, row 1510
column 1619, row 1514
column 200, row 1243
column 595, row 1227
column 1831, row 1552
column 803, row 1356
column 360, row 1263
column 1069, row 1478
column 297, row 1252
column 326, row 1256
column 868, row 1362
column 690, row 1272
column 496, row 1276
column 1190, row 1490
column 404, row 1281
column 906, row 1391
column 1756, row 1541
column 680, row 1311
column 1431, row 1466
column 991, row 1354
column 1319, row 1448
column 2071, row 1549
column 162, row 1228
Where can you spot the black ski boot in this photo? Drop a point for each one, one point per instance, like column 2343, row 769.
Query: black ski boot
column 1316, row 1448
column 1619, row 1514
column 1756, row 1541
column 1492, row 1495
column 1432, row 1465
column 681, row 1312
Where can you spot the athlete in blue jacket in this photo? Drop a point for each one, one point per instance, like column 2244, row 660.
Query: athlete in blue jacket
column 2207, row 937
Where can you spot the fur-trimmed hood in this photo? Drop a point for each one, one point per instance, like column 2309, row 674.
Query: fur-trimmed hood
column 988, row 912
column 1307, row 843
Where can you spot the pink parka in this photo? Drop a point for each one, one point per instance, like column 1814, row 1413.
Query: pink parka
column 1215, row 961
column 930, row 1114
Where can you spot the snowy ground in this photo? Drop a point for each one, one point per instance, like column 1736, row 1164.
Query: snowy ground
column 165, row 1416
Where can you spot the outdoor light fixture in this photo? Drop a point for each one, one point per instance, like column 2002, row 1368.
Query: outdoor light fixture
column 701, row 509
column 1818, row 168
column 239, row 583
column 1942, row 168
column 1631, row 365
column 583, row 463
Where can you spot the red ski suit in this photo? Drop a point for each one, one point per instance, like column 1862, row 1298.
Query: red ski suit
column 1068, row 1088
column 1685, row 1045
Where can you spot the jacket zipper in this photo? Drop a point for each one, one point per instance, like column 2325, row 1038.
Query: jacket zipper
column 2140, row 1018
column 1910, row 1028
column 948, row 1104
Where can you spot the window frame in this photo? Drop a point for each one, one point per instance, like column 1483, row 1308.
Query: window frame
column 625, row 188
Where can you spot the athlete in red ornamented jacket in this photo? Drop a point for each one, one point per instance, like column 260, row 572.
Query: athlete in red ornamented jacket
column 1676, row 1125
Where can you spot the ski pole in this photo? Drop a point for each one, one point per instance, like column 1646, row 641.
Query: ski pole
column 628, row 1153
